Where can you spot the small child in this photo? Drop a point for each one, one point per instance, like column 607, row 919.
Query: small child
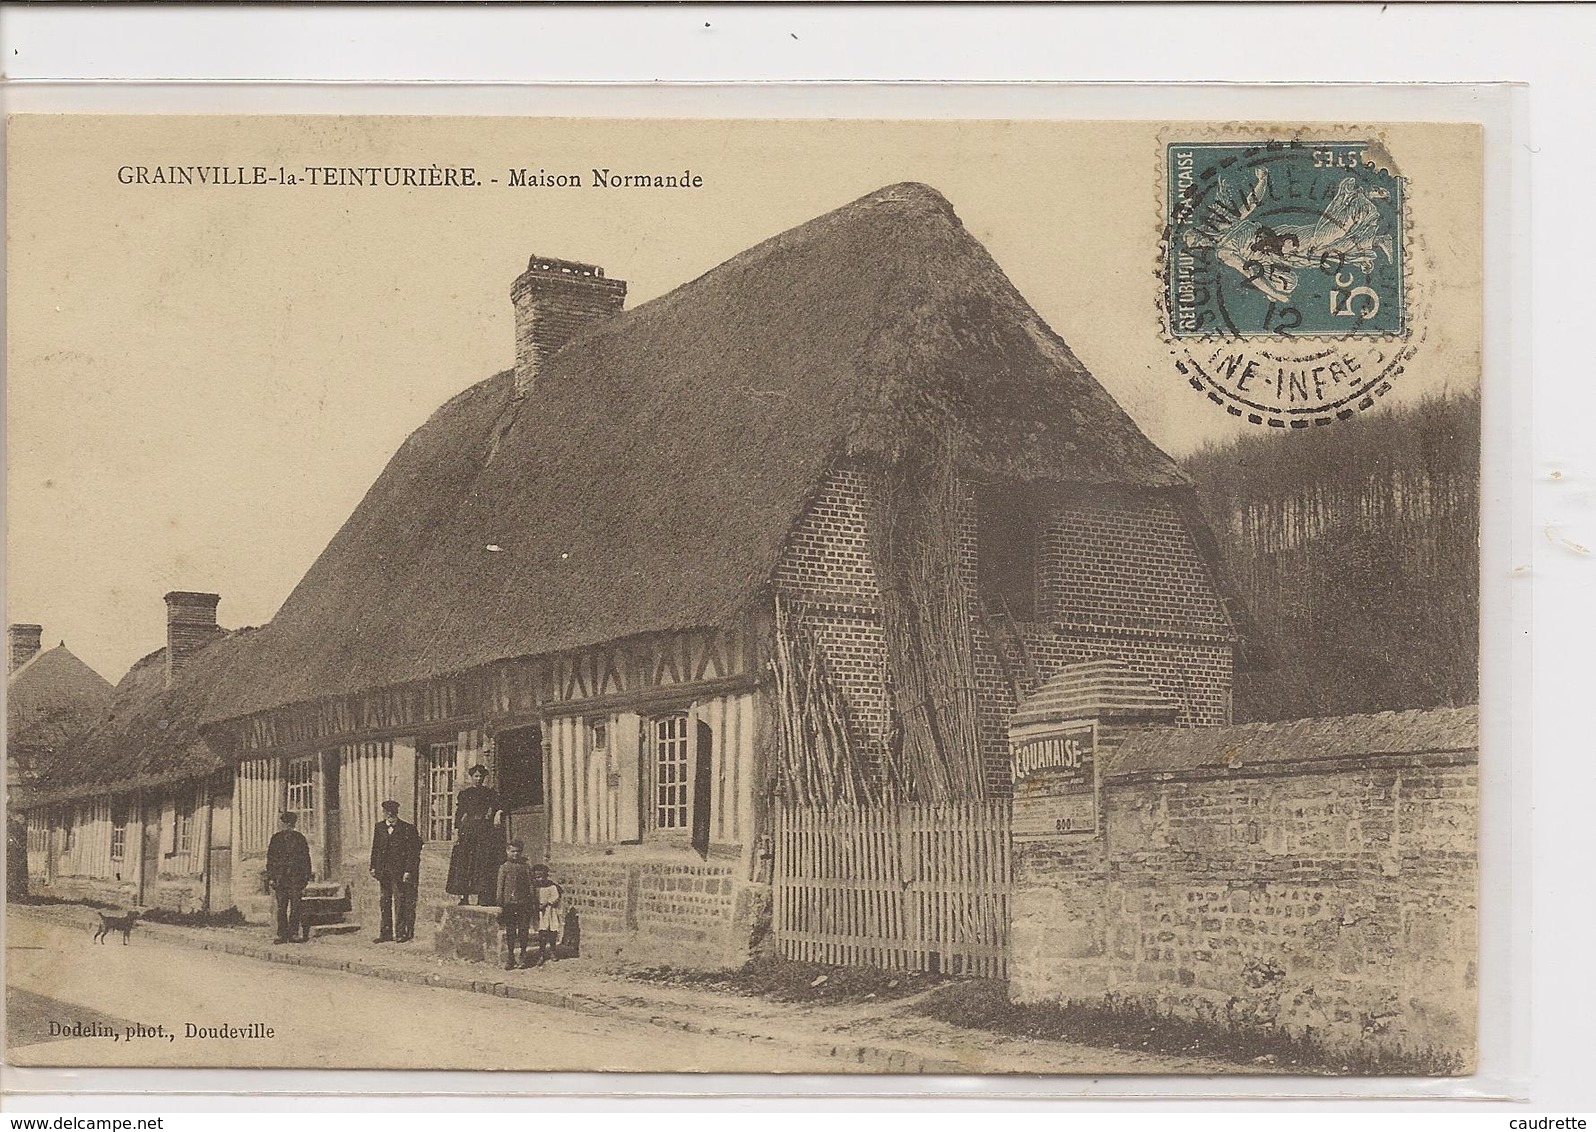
column 546, row 915
column 517, row 903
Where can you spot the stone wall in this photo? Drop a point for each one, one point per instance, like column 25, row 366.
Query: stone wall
column 658, row 911
column 1336, row 897
column 123, row 893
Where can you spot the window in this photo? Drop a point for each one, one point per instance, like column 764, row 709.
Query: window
column 119, row 832
column 442, row 761
column 301, row 795
column 599, row 734
column 69, row 826
column 1007, row 546
column 672, row 764
column 183, row 822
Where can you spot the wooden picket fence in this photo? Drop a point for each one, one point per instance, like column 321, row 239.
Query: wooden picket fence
column 921, row 887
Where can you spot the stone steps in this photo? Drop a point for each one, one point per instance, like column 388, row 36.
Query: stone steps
column 341, row 928
column 326, row 903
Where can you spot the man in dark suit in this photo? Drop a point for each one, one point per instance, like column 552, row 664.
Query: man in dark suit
column 287, row 873
column 396, row 865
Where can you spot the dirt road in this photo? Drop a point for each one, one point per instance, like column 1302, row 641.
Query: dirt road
column 151, row 1003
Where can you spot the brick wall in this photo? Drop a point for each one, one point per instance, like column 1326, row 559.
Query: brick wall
column 1118, row 574
column 826, row 567
column 1120, row 561
column 1338, row 898
column 1197, row 674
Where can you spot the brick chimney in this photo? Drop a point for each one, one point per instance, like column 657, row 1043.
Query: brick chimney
column 190, row 626
column 555, row 300
column 24, row 642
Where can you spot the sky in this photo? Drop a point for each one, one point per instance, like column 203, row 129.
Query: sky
column 202, row 381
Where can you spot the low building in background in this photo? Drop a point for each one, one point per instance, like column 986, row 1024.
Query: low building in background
column 52, row 700
column 138, row 810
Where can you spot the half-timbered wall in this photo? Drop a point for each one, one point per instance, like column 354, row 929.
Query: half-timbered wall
column 599, row 794
column 81, row 867
column 40, row 832
column 260, row 801
column 604, row 677
column 87, row 853
column 182, row 832
column 103, row 855
column 366, row 780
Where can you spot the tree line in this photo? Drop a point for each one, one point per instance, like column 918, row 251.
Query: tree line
column 1355, row 550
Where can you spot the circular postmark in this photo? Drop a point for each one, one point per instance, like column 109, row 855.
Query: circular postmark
column 1284, row 276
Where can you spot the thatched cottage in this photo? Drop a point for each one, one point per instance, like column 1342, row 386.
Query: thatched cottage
column 137, row 808
column 804, row 529
column 52, row 699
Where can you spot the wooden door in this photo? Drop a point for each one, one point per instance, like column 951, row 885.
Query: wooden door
column 220, row 872
column 332, row 819
column 521, row 771
column 149, row 850
column 703, row 785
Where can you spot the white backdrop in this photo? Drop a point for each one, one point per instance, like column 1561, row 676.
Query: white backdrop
column 1544, row 469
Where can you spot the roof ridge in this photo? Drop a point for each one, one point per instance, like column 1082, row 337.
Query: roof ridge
column 724, row 400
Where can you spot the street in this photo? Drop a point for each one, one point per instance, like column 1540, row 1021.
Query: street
column 97, row 995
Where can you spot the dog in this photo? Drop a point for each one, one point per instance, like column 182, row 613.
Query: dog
column 120, row 922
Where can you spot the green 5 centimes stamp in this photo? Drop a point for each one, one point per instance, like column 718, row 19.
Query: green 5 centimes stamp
column 1298, row 238
column 1285, row 289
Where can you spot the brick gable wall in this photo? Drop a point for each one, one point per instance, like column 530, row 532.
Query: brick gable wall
column 826, row 571
column 1119, row 576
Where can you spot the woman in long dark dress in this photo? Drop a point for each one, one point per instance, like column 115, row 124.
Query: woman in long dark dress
column 479, row 841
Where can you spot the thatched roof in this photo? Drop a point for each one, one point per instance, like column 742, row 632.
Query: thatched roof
column 650, row 479
column 150, row 735
column 51, row 702
column 1324, row 740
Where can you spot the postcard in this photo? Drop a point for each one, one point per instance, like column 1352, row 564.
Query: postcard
column 778, row 596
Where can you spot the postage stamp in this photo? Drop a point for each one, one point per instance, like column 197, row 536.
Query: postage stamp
column 1285, row 281
column 1283, row 239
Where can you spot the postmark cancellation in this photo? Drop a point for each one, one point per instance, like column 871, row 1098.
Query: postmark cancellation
column 1285, row 275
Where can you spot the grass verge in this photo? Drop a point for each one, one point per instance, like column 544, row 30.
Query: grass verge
column 52, row 901
column 786, row 980
column 227, row 918
column 1120, row 1023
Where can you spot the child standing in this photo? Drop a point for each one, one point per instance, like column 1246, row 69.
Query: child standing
column 546, row 916
column 517, row 902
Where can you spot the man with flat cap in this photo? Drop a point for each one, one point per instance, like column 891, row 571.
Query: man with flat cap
column 396, row 865
column 287, row 873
